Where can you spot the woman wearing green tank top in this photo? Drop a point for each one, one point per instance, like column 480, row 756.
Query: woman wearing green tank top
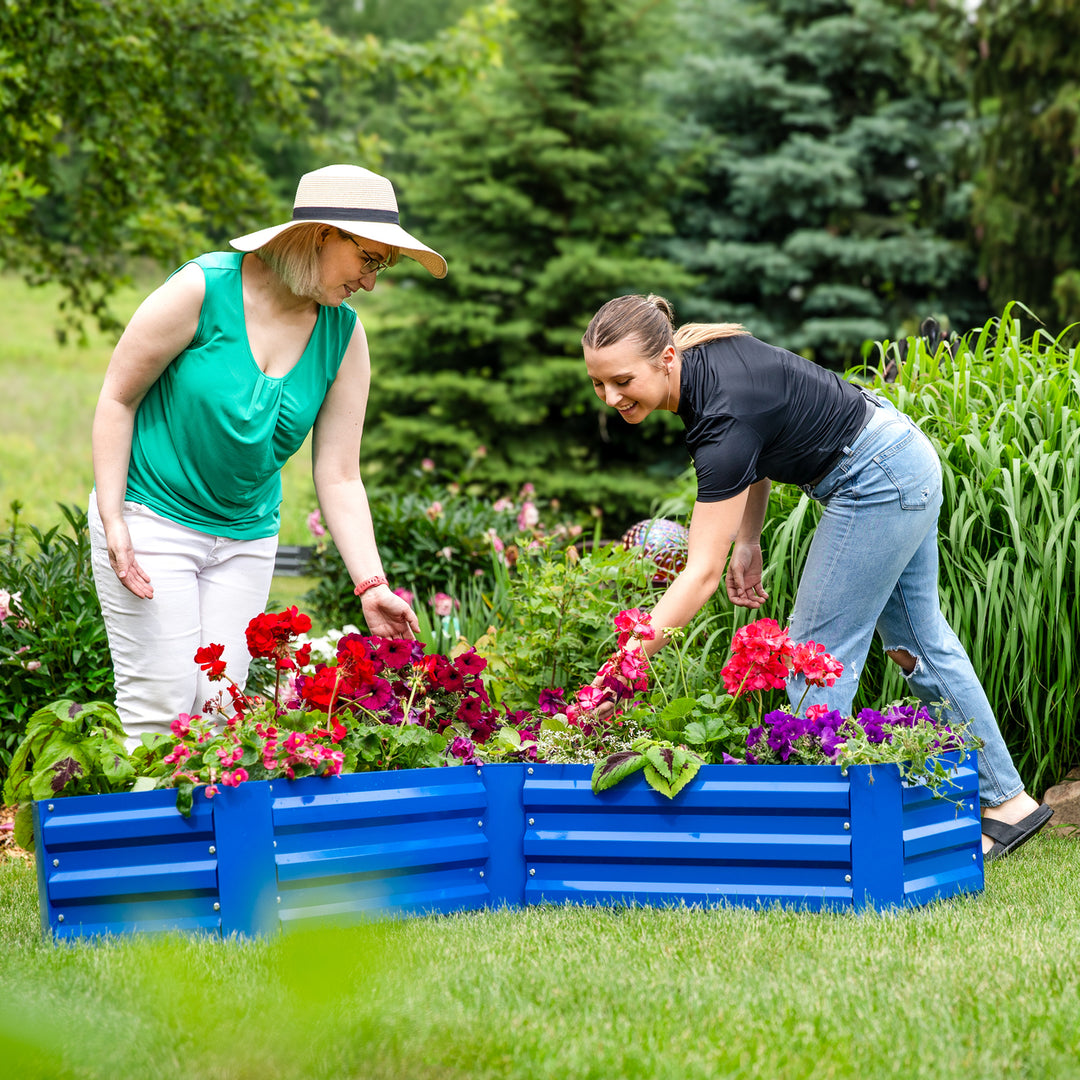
column 216, row 381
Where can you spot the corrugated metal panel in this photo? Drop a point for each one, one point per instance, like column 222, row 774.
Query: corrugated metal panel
column 942, row 838
column 753, row 835
column 396, row 843
column 126, row 863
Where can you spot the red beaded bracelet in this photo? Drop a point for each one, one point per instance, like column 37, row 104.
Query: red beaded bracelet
column 370, row 583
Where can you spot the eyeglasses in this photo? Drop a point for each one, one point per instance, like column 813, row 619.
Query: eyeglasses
column 372, row 263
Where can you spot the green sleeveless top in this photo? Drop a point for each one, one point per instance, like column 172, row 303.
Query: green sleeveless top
column 213, row 432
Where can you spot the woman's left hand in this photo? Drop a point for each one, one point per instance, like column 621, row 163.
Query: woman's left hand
column 387, row 615
column 744, row 576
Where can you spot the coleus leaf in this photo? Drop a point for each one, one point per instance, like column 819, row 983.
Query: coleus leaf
column 24, row 826
column 616, row 767
column 671, row 768
column 63, row 772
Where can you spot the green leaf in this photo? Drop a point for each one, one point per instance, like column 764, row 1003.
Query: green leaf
column 616, row 767
column 678, row 708
column 185, row 797
column 144, row 783
column 24, row 826
column 671, row 768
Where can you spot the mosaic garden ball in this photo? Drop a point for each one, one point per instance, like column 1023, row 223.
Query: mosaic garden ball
column 662, row 540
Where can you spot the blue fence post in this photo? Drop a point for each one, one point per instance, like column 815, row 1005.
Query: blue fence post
column 504, row 826
column 247, row 872
column 877, row 836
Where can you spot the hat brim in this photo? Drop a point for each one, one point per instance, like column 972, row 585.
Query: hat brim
column 380, row 232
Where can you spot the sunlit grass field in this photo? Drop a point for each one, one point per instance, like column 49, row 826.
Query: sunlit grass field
column 49, row 393
column 978, row 988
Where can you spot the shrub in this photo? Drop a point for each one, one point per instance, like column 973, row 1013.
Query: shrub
column 52, row 635
column 436, row 539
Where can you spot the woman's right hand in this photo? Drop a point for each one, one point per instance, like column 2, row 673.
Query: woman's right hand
column 126, row 567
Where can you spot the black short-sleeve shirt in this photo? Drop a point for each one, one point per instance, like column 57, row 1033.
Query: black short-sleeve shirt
column 753, row 410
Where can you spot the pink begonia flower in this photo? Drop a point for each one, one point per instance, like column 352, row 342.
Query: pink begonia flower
column 528, row 516
column 234, row 778
column 526, row 489
column 405, row 595
column 315, row 525
column 427, row 465
column 501, row 505
column 434, row 510
column 181, row 726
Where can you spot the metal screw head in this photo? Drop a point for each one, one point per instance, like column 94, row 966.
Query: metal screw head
column 529, row 770
column 532, row 872
column 480, row 824
column 974, row 857
column 59, row 918
column 843, row 772
column 217, row 906
column 847, row 877
column 51, row 805
column 275, row 843
column 213, row 850
column 279, row 899
column 847, row 824
column 56, row 862
column 481, row 873
column 532, row 821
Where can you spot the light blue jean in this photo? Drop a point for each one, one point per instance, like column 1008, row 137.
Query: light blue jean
column 873, row 565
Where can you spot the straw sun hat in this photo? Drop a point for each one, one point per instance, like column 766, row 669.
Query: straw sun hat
column 356, row 200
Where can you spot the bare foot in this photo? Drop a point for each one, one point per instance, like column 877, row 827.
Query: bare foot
column 1011, row 811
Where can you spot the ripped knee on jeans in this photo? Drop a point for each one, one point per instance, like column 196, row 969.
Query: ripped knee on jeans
column 903, row 658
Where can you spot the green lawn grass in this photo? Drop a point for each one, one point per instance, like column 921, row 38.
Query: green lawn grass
column 984, row 986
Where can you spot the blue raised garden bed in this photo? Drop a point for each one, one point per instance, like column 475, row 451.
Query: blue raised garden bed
column 271, row 855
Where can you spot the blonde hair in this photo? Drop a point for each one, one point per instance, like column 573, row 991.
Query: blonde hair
column 294, row 256
column 650, row 320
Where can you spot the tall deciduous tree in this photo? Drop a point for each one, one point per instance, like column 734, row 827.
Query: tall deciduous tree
column 827, row 211
column 130, row 128
column 540, row 184
column 1027, row 205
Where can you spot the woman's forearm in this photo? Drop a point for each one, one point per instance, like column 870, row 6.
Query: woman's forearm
column 111, row 436
column 757, row 500
column 344, row 506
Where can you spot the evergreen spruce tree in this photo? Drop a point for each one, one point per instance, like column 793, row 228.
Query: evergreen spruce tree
column 540, row 185
column 827, row 211
column 1027, row 204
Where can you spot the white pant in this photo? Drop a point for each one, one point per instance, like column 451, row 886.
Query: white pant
column 206, row 591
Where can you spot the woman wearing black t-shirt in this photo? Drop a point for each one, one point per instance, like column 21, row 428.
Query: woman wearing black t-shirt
column 755, row 413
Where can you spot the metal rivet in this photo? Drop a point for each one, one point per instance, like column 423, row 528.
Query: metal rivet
column 217, row 906
column 481, row 873
column 478, row 772
column 213, row 850
column 843, row 772
column 270, row 787
column 480, row 824
column 56, row 862
column 279, row 899
column 275, row 843
column 532, row 821
column 51, row 806
column 974, row 857
column 847, row 824
column 529, row 771
column 532, row 872
column 59, row 918
column 847, row 877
